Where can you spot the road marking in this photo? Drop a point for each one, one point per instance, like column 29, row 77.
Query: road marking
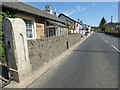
column 115, row 48
column 106, row 41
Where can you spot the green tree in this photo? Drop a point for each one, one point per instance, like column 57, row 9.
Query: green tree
column 95, row 28
column 104, row 28
column 102, row 22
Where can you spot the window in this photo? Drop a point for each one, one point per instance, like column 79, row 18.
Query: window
column 51, row 32
column 119, row 25
column 29, row 28
column 62, row 31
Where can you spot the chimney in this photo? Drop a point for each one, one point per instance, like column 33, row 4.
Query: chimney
column 55, row 12
column 48, row 9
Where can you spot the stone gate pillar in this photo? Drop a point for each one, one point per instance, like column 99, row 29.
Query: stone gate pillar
column 16, row 48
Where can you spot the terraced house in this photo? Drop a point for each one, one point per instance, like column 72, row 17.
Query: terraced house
column 39, row 24
column 76, row 26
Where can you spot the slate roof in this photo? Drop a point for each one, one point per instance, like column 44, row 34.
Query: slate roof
column 57, row 23
column 68, row 18
column 23, row 7
column 118, row 23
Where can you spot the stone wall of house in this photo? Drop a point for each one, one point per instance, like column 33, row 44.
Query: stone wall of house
column 41, row 51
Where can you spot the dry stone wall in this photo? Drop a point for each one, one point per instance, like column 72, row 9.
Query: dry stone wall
column 41, row 51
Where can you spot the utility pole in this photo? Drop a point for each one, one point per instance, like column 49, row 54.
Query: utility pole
column 111, row 21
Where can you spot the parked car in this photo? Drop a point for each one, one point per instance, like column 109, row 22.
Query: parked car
column 100, row 31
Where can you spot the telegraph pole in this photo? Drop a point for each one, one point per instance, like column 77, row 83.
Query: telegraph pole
column 111, row 21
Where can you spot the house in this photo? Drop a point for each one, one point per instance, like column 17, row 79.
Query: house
column 118, row 25
column 39, row 24
column 49, row 10
column 78, row 27
column 111, row 25
column 75, row 25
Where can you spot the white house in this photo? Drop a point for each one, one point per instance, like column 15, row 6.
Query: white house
column 77, row 26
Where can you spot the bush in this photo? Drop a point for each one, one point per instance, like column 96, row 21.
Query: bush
column 104, row 28
column 3, row 15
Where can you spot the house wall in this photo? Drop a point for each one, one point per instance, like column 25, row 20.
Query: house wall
column 38, row 23
column 77, row 28
column 113, row 25
column 118, row 25
column 40, row 30
column 29, row 17
column 40, row 27
column 41, row 51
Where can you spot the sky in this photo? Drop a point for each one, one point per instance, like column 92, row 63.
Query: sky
column 89, row 13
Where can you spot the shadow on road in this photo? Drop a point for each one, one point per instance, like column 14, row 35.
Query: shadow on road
column 87, row 51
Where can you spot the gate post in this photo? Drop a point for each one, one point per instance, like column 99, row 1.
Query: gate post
column 16, row 48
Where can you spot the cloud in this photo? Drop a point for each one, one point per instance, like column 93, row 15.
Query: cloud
column 83, row 9
column 78, row 7
column 74, row 10
column 113, row 6
column 69, row 12
column 93, row 4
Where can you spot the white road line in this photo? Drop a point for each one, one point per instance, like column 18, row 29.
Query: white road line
column 106, row 41
column 115, row 48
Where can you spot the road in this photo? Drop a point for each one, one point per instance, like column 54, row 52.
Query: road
column 93, row 64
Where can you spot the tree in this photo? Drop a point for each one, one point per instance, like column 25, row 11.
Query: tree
column 102, row 22
column 95, row 28
column 104, row 28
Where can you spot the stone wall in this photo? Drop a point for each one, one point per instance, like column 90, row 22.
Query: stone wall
column 41, row 51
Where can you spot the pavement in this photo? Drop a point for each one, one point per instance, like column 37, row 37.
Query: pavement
column 33, row 76
column 93, row 64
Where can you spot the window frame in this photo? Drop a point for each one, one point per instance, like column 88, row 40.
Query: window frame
column 33, row 29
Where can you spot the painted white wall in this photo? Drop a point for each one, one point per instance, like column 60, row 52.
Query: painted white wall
column 78, row 28
column 82, row 32
column 89, row 28
column 28, row 17
column 15, row 31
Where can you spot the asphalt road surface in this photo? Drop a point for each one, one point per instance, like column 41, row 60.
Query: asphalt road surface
column 93, row 64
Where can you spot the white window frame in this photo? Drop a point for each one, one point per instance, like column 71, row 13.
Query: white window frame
column 62, row 31
column 58, row 31
column 34, row 34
